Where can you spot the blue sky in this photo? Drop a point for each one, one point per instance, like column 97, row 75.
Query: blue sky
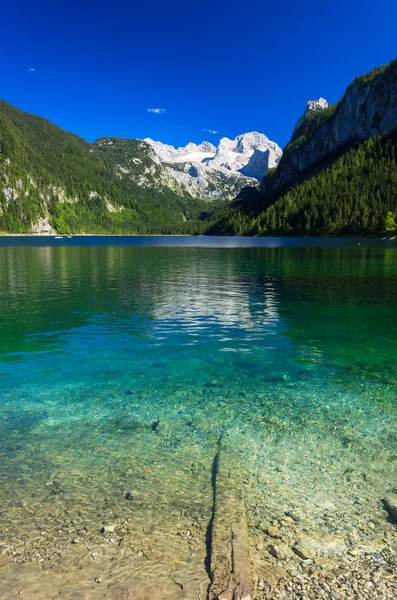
column 228, row 66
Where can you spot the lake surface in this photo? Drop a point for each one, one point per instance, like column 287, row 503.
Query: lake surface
column 122, row 362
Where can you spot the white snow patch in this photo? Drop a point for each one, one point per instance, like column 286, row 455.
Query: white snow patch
column 231, row 156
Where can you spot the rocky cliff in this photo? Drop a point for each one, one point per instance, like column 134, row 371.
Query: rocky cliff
column 368, row 107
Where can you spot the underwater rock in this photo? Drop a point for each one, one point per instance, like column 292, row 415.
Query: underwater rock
column 154, row 425
column 212, row 384
column 286, row 522
column 390, row 502
column 304, row 550
column 295, row 515
column 264, row 525
column 168, row 427
column 274, row 532
column 280, row 551
column 312, row 545
column 108, row 529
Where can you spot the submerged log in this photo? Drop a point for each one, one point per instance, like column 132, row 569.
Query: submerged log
column 230, row 564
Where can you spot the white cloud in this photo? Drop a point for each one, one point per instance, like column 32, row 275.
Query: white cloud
column 157, row 111
column 31, row 70
column 211, row 130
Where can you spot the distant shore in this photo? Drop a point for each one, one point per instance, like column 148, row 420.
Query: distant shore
column 382, row 236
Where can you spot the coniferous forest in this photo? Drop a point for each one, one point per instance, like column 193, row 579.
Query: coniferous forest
column 355, row 194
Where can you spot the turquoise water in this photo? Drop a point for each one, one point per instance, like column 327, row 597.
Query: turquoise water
column 120, row 367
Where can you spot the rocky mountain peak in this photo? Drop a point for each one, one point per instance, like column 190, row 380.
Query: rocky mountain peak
column 311, row 105
column 247, row 141
column 203, row 147
column 204, row 170
column 236, row 155
column 319, row 104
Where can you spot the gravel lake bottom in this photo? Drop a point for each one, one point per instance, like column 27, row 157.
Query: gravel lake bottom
column 123, row 369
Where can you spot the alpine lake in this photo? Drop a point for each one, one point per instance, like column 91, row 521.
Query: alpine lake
column 125, row 361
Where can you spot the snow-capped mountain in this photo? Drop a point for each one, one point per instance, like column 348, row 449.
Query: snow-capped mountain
column 230, row 155
column 236, row 155
column 190, row 153
column 207, row 171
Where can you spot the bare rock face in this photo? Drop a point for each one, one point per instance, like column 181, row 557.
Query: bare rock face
column 43, row 227
column 312, row 105
column 368, row 108
column 260, row 162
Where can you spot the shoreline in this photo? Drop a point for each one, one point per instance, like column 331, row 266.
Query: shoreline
column 201, row 235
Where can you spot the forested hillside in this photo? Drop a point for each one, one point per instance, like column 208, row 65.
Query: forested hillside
column 357, row 193
column 52, row 180
column 338, row 174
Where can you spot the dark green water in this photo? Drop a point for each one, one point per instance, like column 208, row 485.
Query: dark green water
column 121, row 366
column 88, row 314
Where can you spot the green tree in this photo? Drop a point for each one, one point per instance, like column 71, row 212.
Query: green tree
column 390, row 223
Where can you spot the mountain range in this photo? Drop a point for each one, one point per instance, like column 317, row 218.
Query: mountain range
column 53, row 181
column 243, row 161
column 196, row 170
column 337, row 174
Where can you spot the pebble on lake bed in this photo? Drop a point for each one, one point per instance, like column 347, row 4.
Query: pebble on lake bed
column 108, row 529
column 280, row 551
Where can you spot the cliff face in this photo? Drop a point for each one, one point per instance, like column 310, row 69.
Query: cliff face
column 260, row 162
column 368, row 107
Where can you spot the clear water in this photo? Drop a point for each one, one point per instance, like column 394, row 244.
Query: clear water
column 120, row 367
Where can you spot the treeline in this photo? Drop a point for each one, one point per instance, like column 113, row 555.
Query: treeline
column 356, row 194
